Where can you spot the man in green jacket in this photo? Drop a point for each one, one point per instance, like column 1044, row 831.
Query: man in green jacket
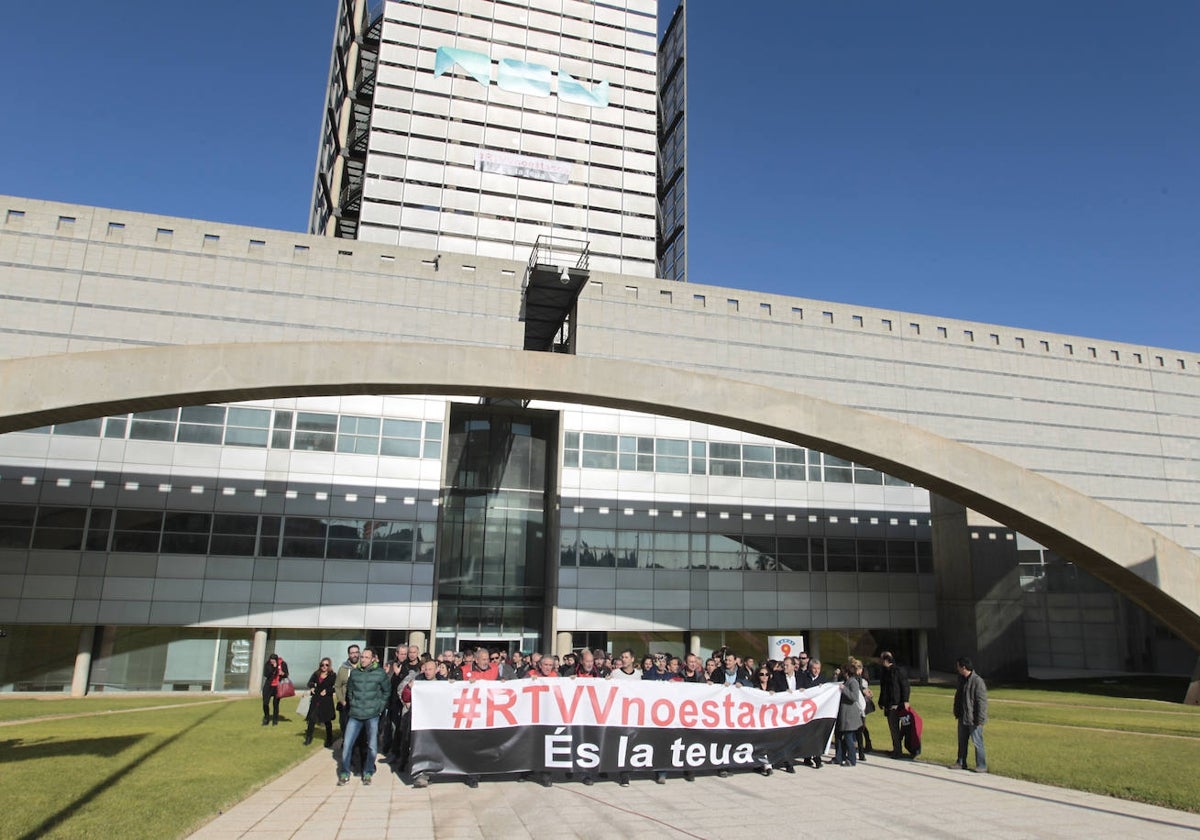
column 366, row 697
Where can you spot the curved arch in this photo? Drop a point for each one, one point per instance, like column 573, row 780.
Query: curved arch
column 1151, row 569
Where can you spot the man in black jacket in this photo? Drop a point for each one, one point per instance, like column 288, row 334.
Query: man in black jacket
column 893, row 697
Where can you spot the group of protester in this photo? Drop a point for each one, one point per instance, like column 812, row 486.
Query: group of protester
column 371, row 699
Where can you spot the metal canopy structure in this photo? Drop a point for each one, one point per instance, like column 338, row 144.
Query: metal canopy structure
column 555, row 276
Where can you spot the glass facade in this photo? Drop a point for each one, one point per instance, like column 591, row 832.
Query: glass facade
column 496, row 515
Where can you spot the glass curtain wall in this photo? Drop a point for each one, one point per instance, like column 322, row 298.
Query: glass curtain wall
column 496, row 513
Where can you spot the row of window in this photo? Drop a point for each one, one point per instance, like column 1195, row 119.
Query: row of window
column 362, row 435
column 592, row 450
column 309, row 431
column 673, row 550
column 226, row 534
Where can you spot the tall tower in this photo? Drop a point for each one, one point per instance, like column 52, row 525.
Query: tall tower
column 476, row 126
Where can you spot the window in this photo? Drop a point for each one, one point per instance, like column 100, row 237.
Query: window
column 402, row 438
column 725, row 459
column 201, row 424
column 60, row 528
column 599, row 451
column 137, row 530
column 80, row 428
column 154, row 425
column 358, row 435
column 186, row 532
column 247, row 427
column 16, row 525
column 315, row 432
column 433, row 440
column 671, row 456
column 758, row 461
column 233, row 534
column 281, row 434
column 838, row 470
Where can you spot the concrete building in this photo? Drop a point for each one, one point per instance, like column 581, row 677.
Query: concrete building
column 477, row 126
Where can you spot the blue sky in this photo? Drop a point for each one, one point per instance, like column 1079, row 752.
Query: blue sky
column 1031, row 164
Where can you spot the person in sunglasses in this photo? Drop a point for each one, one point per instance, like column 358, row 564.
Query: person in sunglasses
column 320, row 707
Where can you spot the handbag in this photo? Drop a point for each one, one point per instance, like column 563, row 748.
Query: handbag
column 870, row 706
column 285, row 689
column 303, row 706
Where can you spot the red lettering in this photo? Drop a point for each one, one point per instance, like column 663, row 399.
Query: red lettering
column 712, row 717
column 628, row 703
column 535, row 710
column 808, row 710
column 745, row 716
column 500, row 701
column 661, row 704
column 788, row 713
column 567, row 712
column 601, row 713
column 768, row 710
column 687, row 713
column 727, row 702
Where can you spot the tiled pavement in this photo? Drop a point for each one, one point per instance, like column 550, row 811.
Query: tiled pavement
column 880, row 797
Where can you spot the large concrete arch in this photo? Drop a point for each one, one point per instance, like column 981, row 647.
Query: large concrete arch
column 1152, row 570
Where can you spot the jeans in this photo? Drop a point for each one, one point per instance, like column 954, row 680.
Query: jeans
column 975, row 735
column 846, row 747
column 353, row 727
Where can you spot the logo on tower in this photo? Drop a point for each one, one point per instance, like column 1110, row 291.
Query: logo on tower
column 520, row 77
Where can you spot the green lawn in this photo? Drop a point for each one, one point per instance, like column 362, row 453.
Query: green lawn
column 18, row 707
column 1134, row 749
column 150, row 774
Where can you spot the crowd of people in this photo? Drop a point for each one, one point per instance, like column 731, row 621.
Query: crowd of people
column 371, row 698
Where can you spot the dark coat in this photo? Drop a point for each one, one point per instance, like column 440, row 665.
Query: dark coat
column 320, row 709
column 741, row 676
column 893, row 686
column 270, row 672
column 970, row 700
column 779, row 681
column 807, row 680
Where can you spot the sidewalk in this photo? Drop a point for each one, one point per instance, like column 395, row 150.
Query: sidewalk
column 879, row 797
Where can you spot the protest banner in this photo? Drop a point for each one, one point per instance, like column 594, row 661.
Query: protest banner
column 613, row 726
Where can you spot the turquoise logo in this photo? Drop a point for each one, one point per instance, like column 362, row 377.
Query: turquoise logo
column 521, row 77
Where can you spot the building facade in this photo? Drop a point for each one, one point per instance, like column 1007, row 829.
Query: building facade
column 478, row 126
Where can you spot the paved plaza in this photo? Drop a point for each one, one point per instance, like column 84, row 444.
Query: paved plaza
column 882, row 798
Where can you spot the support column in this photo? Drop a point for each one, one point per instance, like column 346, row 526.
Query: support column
column 923, row 656
column 417, row 637
column 258, row 659
column 978, row 586
column 694, row 643
column 83, row 661
column 812, row 646
column 562, row 644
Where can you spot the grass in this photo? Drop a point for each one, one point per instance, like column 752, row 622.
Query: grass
column 1144, row 750
column 149, row 774
column 163, row 772
column 19, row 707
